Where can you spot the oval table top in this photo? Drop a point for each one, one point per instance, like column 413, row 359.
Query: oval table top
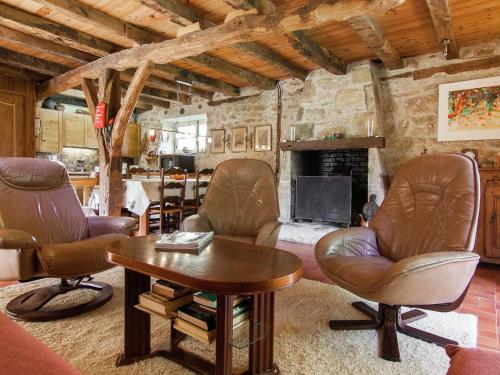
column 222, row 267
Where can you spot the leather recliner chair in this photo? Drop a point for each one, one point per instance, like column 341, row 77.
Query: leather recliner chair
column 44, row 233
column 416, row 251
column 241, row 204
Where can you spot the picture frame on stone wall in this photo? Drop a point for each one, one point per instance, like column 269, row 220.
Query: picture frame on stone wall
column 239, row 139
column 469, row 110
column 218, row 141
column 263, row 138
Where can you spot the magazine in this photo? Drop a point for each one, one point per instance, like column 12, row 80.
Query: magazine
column 184, row 240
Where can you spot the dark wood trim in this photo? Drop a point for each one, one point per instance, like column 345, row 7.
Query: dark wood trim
column 486, row 63
column 337, row 144
column 224, row 335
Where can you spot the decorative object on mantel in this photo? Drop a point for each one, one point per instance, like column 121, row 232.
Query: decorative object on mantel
column 335, row 144
column 218, row 141
column 472, row 153
column 239, row 139
column 370, row 127
column 263, row 138
column 331, row 137
column 469, row 110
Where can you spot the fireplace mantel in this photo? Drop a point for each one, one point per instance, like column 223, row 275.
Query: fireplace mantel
column 335, row 144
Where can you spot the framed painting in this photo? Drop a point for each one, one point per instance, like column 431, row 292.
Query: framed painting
column 218, row 141
column 239, row 140
column 469, row 110
column 263, row 137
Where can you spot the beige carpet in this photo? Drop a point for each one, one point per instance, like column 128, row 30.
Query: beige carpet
column 303, row 342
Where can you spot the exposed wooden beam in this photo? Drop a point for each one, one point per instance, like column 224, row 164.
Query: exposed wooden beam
column 443, row 25
column 253, row 49
column 313, row 51
column 466, row 66
column 129, row 33
column 31, row 63
column 90, row 93
column 370, row 31
column 178, row 12
column 73, row 57
column 150, row 102
column 234, row 71
column 122, row 118
column 243, row 29
column 34, row 25
column 164, row 95
column 22, row 73
column 263, row 6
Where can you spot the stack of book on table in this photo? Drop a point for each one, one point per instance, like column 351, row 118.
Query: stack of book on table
column 189, row 241
column 198, row 318
column 165, row 298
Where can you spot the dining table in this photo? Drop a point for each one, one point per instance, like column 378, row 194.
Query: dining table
column 140, row 193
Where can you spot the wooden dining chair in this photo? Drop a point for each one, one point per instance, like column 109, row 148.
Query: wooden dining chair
column 192, row 206
column 170, row 208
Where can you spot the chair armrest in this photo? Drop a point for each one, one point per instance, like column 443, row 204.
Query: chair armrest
column 268, row 234
column 110, row 224
column 428, row 262
column 196, row 223
column 357, row 241
column 17, row 239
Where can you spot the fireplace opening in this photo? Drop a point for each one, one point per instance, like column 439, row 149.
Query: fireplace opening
column 329, row 185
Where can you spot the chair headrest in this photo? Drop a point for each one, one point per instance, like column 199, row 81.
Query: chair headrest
column 30, row 173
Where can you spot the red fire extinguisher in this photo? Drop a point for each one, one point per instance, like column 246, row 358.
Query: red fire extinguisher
column 100, row 116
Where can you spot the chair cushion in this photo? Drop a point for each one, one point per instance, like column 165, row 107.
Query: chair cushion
column 466, row 361
column 24, row 354
column 357, row 273
column 31, row 173
column 77, row 258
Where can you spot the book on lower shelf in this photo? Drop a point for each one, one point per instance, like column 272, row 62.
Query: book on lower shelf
column 197, row 332
column 210, row 300
column 184, row 240
column 160, row 305
column 169, row 290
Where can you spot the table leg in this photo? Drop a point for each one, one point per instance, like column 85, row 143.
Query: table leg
column 262, row 335
column 137, row 323
column 144, row 223
column 224, row 335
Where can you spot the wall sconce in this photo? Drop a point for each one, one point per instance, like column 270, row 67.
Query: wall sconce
column 228, row 141
column 250, row 140
column 152, row 135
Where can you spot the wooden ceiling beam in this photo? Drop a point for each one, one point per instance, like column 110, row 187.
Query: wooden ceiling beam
column 25, row 74
column 371, row 32
column 242, row 29
column 31, row 63
column 177, row 11
column 443, row 25
column 252, row 49
column 74, row 58
column 130, row 34
column 311, row 50
column 43, row 28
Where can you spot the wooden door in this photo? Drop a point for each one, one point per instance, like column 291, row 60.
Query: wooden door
column 90, row 133
column 12, row 129
column 492, row 219
column 73, row 130
column 50, row 126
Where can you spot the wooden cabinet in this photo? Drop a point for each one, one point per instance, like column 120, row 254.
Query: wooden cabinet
column 488, row 230
column 90, row 133
column 17, row 114
column 130, row 148
column 49, row 130
column 73, row 129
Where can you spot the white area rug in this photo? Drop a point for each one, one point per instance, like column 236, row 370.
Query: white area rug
column 304, row 345
column 305, row 232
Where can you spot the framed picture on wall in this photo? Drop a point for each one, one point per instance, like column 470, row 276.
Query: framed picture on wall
column 469, row 110
column 218, row 141
column 239, row 140
column 263, row 138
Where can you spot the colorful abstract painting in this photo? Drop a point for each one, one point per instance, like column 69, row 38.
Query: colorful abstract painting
column 469, row 110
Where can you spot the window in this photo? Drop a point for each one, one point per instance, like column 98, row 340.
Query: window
column 190, row 133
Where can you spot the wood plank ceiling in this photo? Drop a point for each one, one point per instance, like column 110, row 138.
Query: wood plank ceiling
column 44, row 38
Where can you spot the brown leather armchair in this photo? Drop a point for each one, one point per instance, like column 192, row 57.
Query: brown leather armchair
column 44, row 233
column 241, row 203
column 416, row 251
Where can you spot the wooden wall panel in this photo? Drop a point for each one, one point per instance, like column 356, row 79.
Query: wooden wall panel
column 17, row 125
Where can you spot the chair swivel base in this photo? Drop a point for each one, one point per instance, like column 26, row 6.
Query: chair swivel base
column 28, row 306
column 390, row 320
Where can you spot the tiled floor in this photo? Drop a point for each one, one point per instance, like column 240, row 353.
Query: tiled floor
column 482, row 300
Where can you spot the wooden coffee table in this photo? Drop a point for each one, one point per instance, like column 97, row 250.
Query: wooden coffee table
column 226, row 268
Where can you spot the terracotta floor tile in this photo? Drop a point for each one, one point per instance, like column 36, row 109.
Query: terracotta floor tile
column 490, row 310
column 486, row 342
column 485, row 333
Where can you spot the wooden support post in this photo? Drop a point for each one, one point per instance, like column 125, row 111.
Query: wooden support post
column 90, row 94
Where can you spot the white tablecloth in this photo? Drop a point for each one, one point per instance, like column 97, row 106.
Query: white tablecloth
column 140, row 193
